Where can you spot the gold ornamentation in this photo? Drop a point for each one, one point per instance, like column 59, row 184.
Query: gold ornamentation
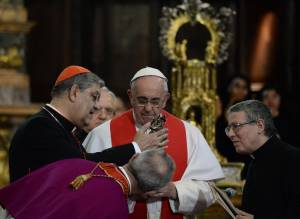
column 111, row 171
column 10, row 118
column 194, row 80
column 13, row 27
column 191, row 12
column 80, row 180
column 16, row 27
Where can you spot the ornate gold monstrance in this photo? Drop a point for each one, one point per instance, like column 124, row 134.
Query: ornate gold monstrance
column 193, row 78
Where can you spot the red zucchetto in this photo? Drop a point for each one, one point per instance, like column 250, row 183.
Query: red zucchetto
column 69, row 72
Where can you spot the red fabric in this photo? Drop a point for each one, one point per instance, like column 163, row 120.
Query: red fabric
column 114, row 172
column 123, row 130
column 70, row 72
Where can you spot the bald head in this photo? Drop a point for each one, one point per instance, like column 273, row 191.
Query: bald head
column 152, row 169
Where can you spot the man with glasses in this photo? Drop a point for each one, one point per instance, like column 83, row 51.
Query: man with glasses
column 105, row 110
column 272, row 185
column 48, row 136
column 189, row 192
column 236, row 126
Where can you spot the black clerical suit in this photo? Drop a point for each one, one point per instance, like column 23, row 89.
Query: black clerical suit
column 272, row 189
column 47, row 137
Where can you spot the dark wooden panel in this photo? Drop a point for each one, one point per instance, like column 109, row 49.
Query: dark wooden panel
column 46, row 45
column 114, row 38
column 129, row 42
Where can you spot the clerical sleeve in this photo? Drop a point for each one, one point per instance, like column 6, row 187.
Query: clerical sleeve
column 194, row 193
column 98, row 139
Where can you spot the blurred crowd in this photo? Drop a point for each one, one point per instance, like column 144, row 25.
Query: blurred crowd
column 238, row 89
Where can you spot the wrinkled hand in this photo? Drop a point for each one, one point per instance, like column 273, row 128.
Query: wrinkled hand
column 153, row 140
column 168, row 191
column 243, row 215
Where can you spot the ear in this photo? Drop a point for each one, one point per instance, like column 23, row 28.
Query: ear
column 73, row 92
column 166, row 98
column 261, row 126
column 129, row 93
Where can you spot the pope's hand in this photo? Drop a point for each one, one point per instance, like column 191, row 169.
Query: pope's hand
column 243, row 215
column 168, row 191
column 152, row 140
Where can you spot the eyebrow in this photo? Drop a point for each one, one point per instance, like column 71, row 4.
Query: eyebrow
column 154, row 98
column 97, row 93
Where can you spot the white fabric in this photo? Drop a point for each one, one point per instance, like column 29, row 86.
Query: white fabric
column 127, row 177
column 4, row 214
column 194, row 193
column 136, row 147
column 148, row 71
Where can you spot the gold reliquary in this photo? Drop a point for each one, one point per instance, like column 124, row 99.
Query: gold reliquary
column 194, row 37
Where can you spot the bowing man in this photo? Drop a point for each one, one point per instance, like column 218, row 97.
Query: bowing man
column 78, row 188
column 189, row 192
column 48, row 136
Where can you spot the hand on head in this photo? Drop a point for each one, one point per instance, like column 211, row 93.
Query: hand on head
column 168, row 191
column 151, row 170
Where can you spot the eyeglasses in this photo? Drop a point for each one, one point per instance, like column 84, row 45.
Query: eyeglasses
column 143, row 101
column 237, row 126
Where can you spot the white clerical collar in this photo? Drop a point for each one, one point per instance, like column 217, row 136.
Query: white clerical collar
column 127, row 177
column 55, row 109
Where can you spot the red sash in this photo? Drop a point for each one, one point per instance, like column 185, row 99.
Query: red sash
column 123, row 131
column 114, row 172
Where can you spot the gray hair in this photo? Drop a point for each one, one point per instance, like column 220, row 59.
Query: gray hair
column 83, row 81
column 152, row 169
column 256, row 110
column 114, row 97
column 165, row 84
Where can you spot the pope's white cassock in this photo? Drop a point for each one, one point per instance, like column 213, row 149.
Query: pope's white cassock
column 195, row 163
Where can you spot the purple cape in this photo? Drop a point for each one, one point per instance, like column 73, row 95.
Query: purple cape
column 45, row 193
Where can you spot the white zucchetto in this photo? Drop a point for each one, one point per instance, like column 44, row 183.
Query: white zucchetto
column 148, row 71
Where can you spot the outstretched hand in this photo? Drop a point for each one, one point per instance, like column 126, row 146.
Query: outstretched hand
column 153, row 140
column 168, row 191
column 243, row 215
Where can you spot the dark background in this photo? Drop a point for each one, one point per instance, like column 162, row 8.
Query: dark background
column 116, row 38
